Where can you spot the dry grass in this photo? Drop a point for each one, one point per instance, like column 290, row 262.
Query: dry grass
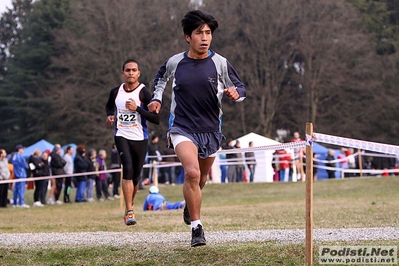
column 370, row 202
column 367, row 202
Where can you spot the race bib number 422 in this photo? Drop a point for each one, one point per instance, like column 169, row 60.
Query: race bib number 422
column 127, row 119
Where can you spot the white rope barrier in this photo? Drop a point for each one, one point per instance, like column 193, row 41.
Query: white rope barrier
column 355, row 143
column 274, row 147
column 16, row 180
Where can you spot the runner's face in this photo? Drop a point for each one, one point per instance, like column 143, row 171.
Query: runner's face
column 131, row 73
column 200, row 41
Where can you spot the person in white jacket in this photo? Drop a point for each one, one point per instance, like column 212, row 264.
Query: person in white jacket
column 4, row 175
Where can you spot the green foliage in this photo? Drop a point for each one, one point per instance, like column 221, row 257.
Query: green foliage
column 27, row 84
column 10, row 30
column 381, row 18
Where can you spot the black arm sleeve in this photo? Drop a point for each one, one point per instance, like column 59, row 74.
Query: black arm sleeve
column 110, row 107
column 145, row 97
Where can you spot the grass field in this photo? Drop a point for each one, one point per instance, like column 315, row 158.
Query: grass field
column 349, row 203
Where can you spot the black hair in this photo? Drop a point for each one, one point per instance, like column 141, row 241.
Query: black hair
column 127, row 62
column 196, row 18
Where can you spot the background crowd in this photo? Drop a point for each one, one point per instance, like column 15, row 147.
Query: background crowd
column 56, row 172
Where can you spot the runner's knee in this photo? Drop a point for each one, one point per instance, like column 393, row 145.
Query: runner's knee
column 127, row 172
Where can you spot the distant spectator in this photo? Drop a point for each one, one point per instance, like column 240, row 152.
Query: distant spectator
column 223, row 167
column 315, row 165
column 155, row 201
column 276, row 167
column 298, row 157
column 116, row 176
column 240, row 166
column 284, row 164
column 81, row 166
column 330, row 158
column 343, row 162
column 350, row 158
column 4, row 175
column 91, row 160
column 20, row 168
column 45, row 172
column 251, row 162
column 57, row 168
column 169, row 172
column 154, row 155
column 231, row 168
column 68, row 168
column 36, row 165
column 101, row 181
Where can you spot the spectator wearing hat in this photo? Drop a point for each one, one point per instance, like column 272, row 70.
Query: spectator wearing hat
column 20, row 167
column 81, row 166
column 155, row 201
column 57, row 168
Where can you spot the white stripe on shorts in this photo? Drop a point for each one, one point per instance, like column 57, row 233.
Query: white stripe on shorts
column 177, row 139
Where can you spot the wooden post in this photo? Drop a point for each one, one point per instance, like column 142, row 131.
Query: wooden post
column 309, row 198
column 360, row 160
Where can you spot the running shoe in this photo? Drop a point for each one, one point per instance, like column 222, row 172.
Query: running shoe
column 197, row 236
column 130, row 218
column 186, row 216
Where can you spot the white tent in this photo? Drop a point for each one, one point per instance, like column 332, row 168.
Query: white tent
column 263, row 171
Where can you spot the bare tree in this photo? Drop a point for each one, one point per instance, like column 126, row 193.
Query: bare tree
column 260, row 39
column 104, row 35
column 335, row 63
column 301, row 61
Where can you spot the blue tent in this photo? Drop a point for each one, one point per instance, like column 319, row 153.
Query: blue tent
column 42, row 145
column 321, row 152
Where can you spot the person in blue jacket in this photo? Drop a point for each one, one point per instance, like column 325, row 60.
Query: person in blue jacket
column 155, row 201
column 20, row 167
